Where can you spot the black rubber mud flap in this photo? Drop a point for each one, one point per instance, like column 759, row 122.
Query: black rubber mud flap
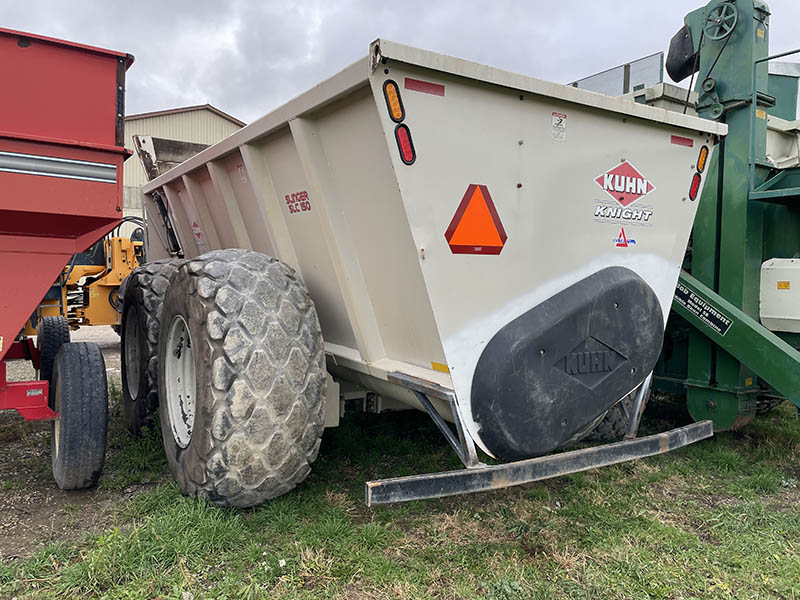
column 681, row 58
column 552, row 371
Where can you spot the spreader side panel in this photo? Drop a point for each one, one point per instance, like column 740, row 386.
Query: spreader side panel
column 513, row 197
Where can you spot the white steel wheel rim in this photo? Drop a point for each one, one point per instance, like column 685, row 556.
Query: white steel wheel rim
column 179, row 384
column 132, row 352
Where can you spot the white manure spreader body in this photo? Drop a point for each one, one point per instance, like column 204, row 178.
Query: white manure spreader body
column 494, row 249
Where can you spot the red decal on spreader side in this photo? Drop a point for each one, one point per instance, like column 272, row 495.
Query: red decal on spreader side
column 298, row 202
column 424, row 86
column 682, row 141
column 624, row 183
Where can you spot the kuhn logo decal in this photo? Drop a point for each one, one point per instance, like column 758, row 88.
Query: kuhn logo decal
column 624, row 183
column 590, row 362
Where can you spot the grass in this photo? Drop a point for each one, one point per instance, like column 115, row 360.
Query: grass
column 719, row 519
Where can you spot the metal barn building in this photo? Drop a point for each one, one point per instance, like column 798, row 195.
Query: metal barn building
column 202, row 124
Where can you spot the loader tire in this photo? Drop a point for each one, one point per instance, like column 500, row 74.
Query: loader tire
column 615, row 422
column 80, row 396
column 241, row 378
column 52, row 334
column 140, row 327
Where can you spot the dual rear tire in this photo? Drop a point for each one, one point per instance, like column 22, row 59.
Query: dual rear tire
column 241, row 378
column 140, row 329
column 228, row 346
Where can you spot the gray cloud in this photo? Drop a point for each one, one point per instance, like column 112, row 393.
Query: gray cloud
column 248, row 56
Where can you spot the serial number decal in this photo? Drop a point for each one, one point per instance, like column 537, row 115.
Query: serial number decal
column 298, row 202
column 702, row 310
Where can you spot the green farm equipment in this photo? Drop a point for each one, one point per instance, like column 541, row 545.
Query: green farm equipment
column 732, row 338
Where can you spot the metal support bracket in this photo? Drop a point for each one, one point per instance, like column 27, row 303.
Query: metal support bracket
column 464, row 445
column 483, row 478
column 638, row 408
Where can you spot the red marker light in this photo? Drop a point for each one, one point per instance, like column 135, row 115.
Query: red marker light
column 695, row 188
column 403, row 136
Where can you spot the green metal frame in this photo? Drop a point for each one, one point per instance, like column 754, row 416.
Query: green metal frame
column 747, row 214
column 759, row 191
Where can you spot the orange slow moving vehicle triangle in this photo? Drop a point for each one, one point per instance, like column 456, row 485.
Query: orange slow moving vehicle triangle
column 476, row 226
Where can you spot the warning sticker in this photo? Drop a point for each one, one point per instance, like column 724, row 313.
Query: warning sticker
column 702, row 310
column 476, row 226
column 559, row 127
column 198, row 233
column 784, row 285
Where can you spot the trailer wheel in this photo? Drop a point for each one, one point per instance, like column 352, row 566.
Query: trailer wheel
column 140, row 328
column 241, row 378
column 615, row 422
column 78, row 435
column 52, row 334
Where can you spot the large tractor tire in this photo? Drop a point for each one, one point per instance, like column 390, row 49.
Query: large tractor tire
column 615, row 422
column 53, row 332
column 241, row 378
column 140, row 328
column 80, row 397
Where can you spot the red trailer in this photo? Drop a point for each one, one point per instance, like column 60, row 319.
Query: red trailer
column 61, row 155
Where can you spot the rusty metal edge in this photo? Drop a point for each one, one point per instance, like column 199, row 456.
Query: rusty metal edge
column 417, row 384
column 464, row 481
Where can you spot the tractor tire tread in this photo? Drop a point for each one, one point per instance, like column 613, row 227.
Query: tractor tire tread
column 265, row 408
column 80, row 381
column 52, row 333
column 614, row 424
column 151, row 281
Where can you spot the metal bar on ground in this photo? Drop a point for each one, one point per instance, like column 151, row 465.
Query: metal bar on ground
column 450, row 483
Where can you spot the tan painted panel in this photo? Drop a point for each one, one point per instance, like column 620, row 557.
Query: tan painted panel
column 249, row 207
column 542, row 180
column 305, row 230
column 366, row 193
column 216, row 207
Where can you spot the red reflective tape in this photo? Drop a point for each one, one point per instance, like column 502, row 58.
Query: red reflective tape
column 424, row 86
column 682, row 141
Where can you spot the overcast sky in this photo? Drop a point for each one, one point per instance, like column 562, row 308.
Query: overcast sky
column 247, row 57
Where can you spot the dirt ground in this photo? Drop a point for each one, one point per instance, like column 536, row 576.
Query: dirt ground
column 33, row 511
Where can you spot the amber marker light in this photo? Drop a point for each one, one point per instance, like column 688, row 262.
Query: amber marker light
column 702, row 159
column 393, row 102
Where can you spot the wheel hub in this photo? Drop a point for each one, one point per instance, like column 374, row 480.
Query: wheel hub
column 180, row 381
